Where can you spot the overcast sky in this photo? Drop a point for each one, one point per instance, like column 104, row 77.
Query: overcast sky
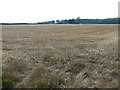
column 45, row 10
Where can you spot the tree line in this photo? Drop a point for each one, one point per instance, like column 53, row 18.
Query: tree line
column 83, row 21
column 78, row 20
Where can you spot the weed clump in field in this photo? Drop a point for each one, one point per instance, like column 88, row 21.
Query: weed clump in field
column 6, row 83
column 43, row 78
column 12, row 72
column 9, row 79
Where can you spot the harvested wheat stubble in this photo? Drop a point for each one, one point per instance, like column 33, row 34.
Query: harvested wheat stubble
column 72, row 56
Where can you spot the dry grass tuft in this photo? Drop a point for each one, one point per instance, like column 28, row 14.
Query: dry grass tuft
column 75, row 67
column 16, row 66
column 52, row 60
column 57, row 60
column 43, row 78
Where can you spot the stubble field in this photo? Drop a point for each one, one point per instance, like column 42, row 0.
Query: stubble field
column 60, row 56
